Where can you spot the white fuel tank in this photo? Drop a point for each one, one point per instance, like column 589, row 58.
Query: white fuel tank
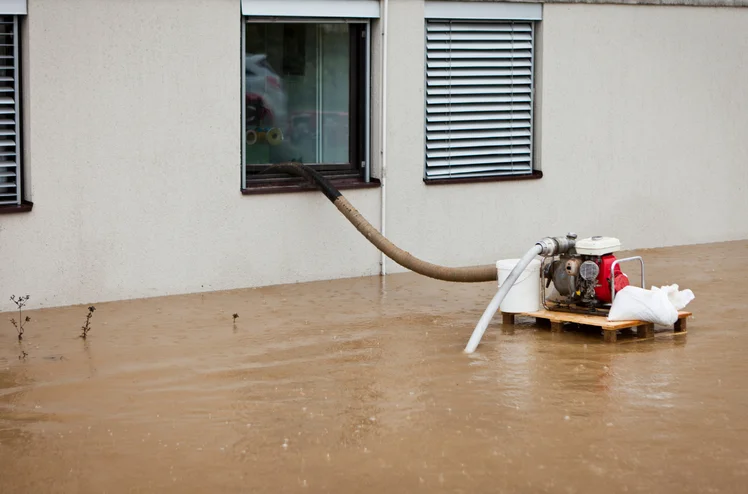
column 598, row 246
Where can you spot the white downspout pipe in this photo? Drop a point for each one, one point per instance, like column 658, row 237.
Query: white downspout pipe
column 383, row 129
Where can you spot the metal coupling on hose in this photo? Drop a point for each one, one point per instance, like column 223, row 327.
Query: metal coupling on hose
column 550, row 246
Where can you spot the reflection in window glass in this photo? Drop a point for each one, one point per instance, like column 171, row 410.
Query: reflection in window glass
column 297, row 85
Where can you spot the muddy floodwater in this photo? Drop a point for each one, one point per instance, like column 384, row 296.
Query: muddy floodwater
column 361, row 385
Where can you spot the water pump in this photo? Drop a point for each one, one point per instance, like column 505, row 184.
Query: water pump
column 585, row 277
column 584, row 274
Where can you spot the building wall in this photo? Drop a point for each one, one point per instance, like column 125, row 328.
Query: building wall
column 132, row 146
column 642, row 119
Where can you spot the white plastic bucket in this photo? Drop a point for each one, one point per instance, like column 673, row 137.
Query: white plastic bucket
column 524, row 296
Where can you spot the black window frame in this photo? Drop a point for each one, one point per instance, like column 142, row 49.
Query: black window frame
column 353, row 173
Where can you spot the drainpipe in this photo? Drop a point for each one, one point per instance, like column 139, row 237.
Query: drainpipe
column 383, row 128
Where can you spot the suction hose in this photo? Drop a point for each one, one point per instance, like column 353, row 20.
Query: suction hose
column 488, row 314
column 547, row 246
column 403, row 258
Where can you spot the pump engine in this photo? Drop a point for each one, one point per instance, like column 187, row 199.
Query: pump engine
column 586, row 277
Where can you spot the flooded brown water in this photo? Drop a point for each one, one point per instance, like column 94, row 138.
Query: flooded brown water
column 361, row 386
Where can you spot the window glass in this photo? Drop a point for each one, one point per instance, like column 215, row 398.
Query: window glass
column 297, row 94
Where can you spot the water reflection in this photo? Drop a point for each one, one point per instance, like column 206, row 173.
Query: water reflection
column 299, row 97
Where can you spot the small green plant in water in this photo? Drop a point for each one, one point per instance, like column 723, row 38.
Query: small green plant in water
column 87, row 327
column 21, row 323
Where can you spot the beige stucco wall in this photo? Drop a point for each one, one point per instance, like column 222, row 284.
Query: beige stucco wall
column 642, row 111
column 133, row 147
column 133, row 151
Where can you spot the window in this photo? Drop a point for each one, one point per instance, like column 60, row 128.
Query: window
column 479, row 95
column 303, row 101
column 10, row 143
column 305, row 78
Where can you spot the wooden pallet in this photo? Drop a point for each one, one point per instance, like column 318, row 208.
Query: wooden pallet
column 556, row 320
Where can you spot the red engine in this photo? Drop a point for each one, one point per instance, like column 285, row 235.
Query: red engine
column 602, row 289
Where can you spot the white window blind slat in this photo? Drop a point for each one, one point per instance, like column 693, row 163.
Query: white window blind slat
column 470, row 143
column 476, row 117
column 475, row 161
column 453, row 73
column 485, row 125
column 471, row 46
column 480, row 171
column 476, row 81
column 471, row 37
column 516, row 149
column 453, row 111
column 485, row 54
column 479, row 98
column 484, row 134
column 497, row 88
column 478, row 27
column 455, row 64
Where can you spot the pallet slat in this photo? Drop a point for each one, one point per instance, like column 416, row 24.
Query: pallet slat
column 558, row 319
column 600, row 321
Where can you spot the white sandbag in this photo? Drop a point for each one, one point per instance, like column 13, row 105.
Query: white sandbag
column 679, row 298
column 641, row 304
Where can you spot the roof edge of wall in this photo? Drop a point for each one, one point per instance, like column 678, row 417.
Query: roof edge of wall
column 673, row 3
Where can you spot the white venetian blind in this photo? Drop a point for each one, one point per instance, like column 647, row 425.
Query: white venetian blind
column 479, row 95
column 10, row 172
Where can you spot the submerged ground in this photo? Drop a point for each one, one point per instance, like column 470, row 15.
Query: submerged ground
column 361, row 386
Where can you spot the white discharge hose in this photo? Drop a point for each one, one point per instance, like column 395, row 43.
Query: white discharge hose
column 536, row 250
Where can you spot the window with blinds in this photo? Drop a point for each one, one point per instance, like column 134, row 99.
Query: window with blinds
column 479, row 98
column 10, row 164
